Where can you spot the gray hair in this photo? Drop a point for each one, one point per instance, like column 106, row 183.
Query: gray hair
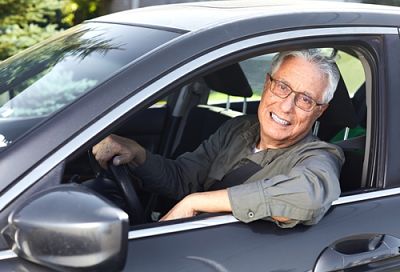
column 324, row 63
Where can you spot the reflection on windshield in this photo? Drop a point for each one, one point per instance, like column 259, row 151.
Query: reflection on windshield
column 44, row 97
column 3, row 141
column 43, row 81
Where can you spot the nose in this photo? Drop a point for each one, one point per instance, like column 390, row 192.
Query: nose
column 287, row 104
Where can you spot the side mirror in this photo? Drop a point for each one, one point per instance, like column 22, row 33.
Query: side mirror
column 69, row 227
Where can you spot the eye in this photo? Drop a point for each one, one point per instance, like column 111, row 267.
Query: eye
column 283, row 87
column 305, row 100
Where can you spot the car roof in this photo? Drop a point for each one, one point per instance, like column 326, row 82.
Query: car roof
column 200, row 15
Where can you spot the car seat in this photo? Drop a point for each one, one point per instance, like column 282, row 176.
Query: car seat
column 339, row 118
column 204, row 120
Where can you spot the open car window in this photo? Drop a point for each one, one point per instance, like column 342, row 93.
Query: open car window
column 197, row 108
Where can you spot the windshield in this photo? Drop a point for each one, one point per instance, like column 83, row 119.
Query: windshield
column 44, row 79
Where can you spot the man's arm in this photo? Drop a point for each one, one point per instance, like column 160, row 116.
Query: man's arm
column 188, row 173
column 210, row 202
column 191, row 205
column 172, row 178
column 303, row 195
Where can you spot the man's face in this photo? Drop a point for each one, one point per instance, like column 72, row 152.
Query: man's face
column 282, row 123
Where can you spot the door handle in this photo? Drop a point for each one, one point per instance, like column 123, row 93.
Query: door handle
column 357, row 250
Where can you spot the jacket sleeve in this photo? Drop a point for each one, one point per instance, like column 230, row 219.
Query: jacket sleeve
column 185, row 175
column 303, row 195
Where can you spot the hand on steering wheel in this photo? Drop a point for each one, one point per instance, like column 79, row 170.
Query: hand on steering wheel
column 120, row 174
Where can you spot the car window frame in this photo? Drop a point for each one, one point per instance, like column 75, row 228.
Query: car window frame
column 363, row 54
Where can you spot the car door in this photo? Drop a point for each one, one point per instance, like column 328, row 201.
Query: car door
column 359, row 230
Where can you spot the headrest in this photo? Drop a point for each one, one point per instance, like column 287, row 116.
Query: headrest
column 340, row 114
column 229, row 80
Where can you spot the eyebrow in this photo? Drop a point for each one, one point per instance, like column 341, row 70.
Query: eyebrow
column 308, row 94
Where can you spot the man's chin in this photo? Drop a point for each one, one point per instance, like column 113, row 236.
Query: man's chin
column 277, row 139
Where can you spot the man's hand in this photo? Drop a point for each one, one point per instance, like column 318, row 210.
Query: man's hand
column 183, row 209
column 123, row 150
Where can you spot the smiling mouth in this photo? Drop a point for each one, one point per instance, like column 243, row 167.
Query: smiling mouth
column 279, row 120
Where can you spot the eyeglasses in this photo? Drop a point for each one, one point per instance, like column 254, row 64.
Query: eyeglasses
column 301, row 100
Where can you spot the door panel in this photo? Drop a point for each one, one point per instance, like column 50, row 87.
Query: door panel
column 262, row 246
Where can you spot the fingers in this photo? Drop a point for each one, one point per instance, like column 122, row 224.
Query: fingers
column 166, row 217
column 121, row 150
column 106, row 150
column 281, row 219
column 182, row 209
column 178, row 214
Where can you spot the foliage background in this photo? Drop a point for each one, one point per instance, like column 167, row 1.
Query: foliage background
column 24, row 23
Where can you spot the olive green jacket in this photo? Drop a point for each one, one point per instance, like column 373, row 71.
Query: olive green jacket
column 299, row 182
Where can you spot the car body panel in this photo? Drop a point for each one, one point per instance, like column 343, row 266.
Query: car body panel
column 263, row 252
column 221, row 243
column 136, row 75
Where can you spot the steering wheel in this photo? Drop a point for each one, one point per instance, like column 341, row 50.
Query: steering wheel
column 135, row 208
column 120, row 174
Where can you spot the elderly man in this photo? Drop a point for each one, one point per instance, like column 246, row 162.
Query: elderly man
column 296, row 175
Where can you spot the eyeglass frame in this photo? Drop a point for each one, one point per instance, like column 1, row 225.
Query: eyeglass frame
column 296, row 93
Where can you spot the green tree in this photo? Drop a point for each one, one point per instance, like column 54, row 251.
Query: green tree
column 76, row 11
column 24, row 23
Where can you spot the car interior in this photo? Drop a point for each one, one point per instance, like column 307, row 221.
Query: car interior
column 190, row 113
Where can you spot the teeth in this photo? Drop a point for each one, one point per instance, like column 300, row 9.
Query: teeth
column 279, row 120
